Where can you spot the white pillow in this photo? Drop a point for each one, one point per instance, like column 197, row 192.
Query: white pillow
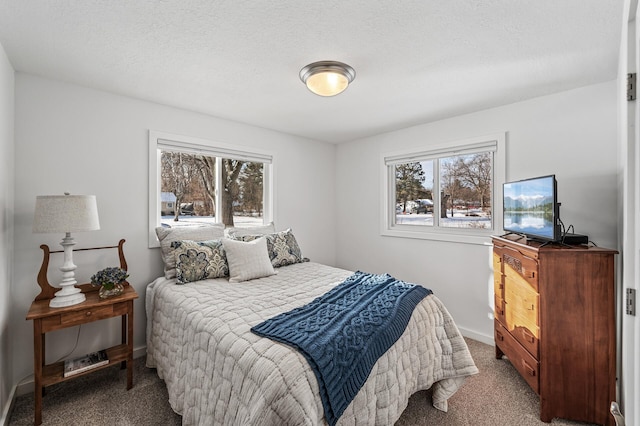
column 254, row 230
column 194, row 233
column 282, row 247
column 247, row 260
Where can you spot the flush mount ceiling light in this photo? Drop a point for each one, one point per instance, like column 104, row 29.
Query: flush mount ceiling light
column 327, row 78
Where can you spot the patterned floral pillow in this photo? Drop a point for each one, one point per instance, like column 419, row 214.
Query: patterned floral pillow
column 282, row 246
column 199, row 260
column 192, row 233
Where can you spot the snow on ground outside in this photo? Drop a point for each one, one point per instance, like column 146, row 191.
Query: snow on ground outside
column 238, row 221
column 459, row 220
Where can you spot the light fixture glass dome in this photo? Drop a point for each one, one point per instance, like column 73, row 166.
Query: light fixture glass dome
column 327, row 78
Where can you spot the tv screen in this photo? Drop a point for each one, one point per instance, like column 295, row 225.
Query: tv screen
column 531, row 208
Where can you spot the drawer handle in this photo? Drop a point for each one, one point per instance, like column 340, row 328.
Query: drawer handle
column 88, row 313
column 501, row 286
column 499, row 336
column 531, row 274
column 528, row 336
column 529, row 369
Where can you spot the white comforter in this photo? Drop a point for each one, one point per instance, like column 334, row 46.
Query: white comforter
column 218, row 372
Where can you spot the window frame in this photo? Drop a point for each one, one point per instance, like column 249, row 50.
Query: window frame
column 161, row 140
column 495, row 142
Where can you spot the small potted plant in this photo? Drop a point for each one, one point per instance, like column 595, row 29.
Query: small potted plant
column 110, row 281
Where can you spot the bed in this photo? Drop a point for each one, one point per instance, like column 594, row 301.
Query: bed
column 218, row 372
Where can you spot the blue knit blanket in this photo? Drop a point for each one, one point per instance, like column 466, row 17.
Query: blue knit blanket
column 343, row 332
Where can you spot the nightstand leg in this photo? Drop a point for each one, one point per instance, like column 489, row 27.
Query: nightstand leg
column 130, row 346
column 123, row 335
column 38, row 362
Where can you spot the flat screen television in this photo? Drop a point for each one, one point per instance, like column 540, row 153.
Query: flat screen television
column 531, row 208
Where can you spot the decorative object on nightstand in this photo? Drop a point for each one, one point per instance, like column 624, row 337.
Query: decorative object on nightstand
column 66, row 214
column 110, row 280
column 85, row 363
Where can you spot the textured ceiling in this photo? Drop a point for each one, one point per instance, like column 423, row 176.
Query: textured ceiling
column 416, row 61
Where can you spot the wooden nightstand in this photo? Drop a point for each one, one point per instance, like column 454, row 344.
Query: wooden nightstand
column 46, row 319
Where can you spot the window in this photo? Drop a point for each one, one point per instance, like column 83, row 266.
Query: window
column 194, row 182
column 450, row 192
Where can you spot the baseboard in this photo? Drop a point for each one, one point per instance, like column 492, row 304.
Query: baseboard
column 139, row 352
column 480, row 337
column 8, row 407
column 28, row 386
column 25, row 387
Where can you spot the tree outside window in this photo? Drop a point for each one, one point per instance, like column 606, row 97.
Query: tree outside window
column 445, row 189
column 195, row 182
column 465, row 191
column 191, row 178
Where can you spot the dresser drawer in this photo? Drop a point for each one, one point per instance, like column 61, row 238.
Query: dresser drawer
column 527, row 366
column 528, row 339
column 522, row 313
column 69, row 319
column 520, row 265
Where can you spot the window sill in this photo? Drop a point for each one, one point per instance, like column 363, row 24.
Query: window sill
column 477, row 238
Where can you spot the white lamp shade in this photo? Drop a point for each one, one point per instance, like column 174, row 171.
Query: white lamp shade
column 66, row 213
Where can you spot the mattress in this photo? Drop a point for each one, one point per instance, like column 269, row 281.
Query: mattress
column 218, row 372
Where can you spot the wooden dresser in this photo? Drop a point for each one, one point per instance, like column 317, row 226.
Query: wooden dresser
column 555, row 322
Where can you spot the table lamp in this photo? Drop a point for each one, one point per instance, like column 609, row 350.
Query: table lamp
column 66, row 213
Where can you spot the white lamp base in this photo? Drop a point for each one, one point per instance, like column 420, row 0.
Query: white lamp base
column 71, row 298
column 68, row 294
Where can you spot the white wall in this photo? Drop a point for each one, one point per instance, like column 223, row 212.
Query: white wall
column 70, row 138
column 571, row 134
column 6, row 226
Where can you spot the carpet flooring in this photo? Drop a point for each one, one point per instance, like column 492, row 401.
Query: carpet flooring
column 497, row 396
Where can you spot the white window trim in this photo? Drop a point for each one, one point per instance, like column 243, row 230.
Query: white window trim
column 464, row 235
column 161, row 140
